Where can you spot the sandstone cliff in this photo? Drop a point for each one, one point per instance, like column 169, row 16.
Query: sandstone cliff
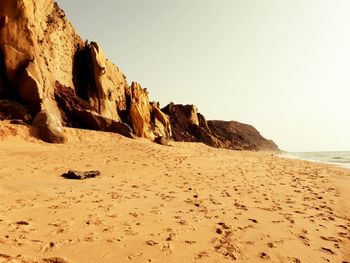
column 235, row 135
column 190, row 126
column 46, row 69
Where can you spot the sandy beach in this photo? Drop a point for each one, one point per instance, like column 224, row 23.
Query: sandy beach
column 180, row 203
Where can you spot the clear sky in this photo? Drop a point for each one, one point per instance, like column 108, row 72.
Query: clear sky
column 281, row 65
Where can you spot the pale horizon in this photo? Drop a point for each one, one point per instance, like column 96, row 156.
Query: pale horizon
column 281, row 66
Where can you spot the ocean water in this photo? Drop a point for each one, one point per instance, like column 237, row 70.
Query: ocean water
column 341, row 159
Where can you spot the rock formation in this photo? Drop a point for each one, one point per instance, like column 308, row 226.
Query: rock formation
column 140, row 113
column 184, row 123
column 37, row 46
column 49, row 127
column 190, row 126
column 160, row 123
column 49, row 74
column 235, row 135
column 78, row 113
column 100, row 82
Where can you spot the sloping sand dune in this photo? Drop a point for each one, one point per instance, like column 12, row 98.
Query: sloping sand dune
column 183, row 203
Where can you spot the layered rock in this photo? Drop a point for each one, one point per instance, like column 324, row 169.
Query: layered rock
column 236, row 135
column 190, row 126
column 45, row 65
column 147, row 119
column 160, row 123
column 100, row 82
column 181, row 121
column 185, row 124
column 46, row 69
column 140, row 111
column 37, row 47
column 49, row 127
column 78, row 113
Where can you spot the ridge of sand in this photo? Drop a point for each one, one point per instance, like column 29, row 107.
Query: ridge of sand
column 187, row 202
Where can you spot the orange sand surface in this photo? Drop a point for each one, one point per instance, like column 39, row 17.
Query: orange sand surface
column 183, row 203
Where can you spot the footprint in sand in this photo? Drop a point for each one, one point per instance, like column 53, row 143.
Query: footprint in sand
column 225, row 242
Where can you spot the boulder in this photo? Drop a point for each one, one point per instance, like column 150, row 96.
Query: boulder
column 76, row 175
column 54, row 260
column 161, row 140
column 49, row 127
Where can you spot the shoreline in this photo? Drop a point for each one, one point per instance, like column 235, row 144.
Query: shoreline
column 188, row 202
column 294, row 156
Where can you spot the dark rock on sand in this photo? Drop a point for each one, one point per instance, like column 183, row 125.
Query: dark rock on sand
column 161, row 140
column 55, row 260
column 75, row 175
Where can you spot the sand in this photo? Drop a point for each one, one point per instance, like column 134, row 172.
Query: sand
column 182, row 203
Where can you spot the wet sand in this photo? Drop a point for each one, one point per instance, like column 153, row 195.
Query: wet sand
column 182, row 203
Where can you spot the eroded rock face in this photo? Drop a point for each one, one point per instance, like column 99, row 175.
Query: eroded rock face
column 235, row 135
column 160, row 122
column 37, row 45
column 146, row 118
column 78, row 113
column 111, row 85
column 190, row 126
column 47, row 71
column 100, row 82
column 140, row 111
column 184, row 122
